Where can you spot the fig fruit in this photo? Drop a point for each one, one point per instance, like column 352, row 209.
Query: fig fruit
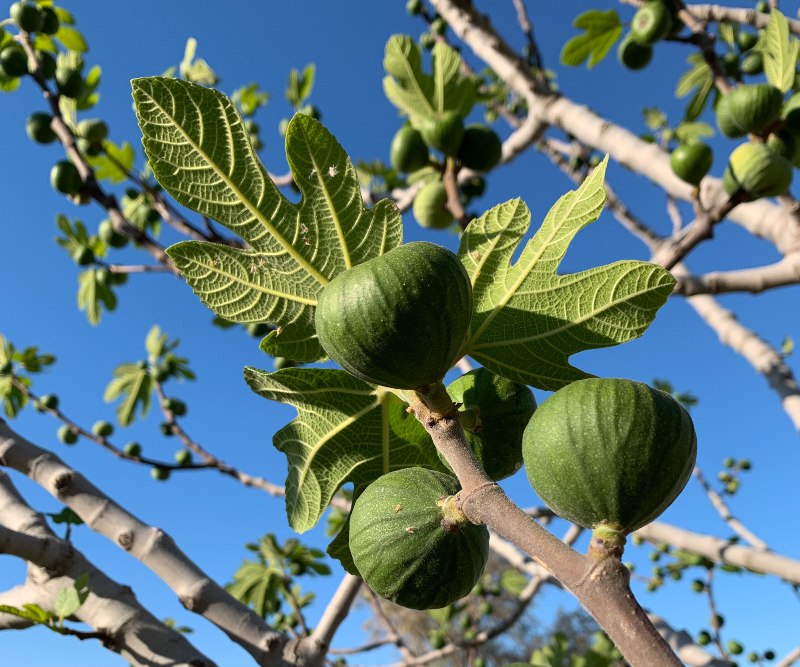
column 102, row 429
column 133, row 449
column 746, row 40
column 758, row 171
column 651, row 22
column 481, row 148
column 430, row 206
column 410, row 543
column 791, row 113
column 26, row 15
column 65, row 177
column 503, row 409
column 38, row 128
column 753, row 63
column 110, row 236
column 50, row 22
column 633, row 55
column 408, row 151
column 67, row 435
column 443, row 131
column 13, row 61
column 748, row 109
column 69, row 82
column 92, row 129
column 691, row 162
column 784, row 143
column 609, row 452
column 397, row 320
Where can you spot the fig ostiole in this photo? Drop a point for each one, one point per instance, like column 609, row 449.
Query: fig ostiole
column 398, row 320
column 609, row 454
column 411, row 544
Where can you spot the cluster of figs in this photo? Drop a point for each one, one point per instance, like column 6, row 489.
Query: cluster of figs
column 605, row 453
column 475, row 147
column 762, row 166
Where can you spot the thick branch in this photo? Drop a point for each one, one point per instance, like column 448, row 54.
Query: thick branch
column 782, row 273
column 196, row 591
column 337, row 610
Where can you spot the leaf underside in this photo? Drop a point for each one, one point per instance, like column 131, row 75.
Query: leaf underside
column 200, row 151
column 345, row 431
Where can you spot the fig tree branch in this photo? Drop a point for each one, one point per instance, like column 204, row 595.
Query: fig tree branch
column 724, row 511
column 154, row 548
column 723, row 551
column 111, row 609
column 336, row 612
column 759, row 279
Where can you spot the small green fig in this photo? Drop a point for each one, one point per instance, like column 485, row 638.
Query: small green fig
column 65, row 177
column 443, row 131
column 755, row 170
column 748, row 108
column 93, row 129
column 50, row 22
column 481, row 148
column 408, row 151
column 746, row 40
column 691, row 162
column 38, row 128
column 633, row 55
column 159, row 473
column 133, row 449
column 13, row 61
column 784, row 143
column 70, row 82
column 102, row 429
column 26, row 15
column 652, row 22
column 430, row 206
column 110, row 236
column 183, row 457
column 67, row 435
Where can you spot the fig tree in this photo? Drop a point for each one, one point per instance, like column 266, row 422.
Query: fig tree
column 609, row 454
column 411, row 545
column 408, row 151
column 748, row 109
column 691, row 162
column 502, row 409
column 633, row 55
column 757, row 171
column 481, row 148
column 397, row 320
column 430, row 206
column 443, row 131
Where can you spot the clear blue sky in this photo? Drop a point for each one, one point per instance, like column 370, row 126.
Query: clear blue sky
column 209, row 515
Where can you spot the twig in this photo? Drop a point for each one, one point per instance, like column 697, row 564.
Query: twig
column 790, row 658
column 337, row 610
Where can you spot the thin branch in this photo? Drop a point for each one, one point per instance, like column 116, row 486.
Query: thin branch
column 724, row 511
column 722, row 551
column 392, row 635
column 790, row 658
column 46, row 552
column 780, row 274
column 337, row 610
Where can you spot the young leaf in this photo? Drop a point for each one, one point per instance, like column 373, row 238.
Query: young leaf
column 417, row 94
column 780, row 52
column 699, row 78
column 135, row 386
column 71, row 39
column 256, row 584
column 201, row 153
column 30, row 612
column 528, row 319
column 69, row 600
column 601, row 30
column 115, row 163
column 94, row 294
column 346, row 431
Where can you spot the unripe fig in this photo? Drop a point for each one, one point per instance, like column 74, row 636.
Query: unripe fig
column 438, row 26
column 753, row 63
column 791, row 113
column 48, row 402
column 443, row 131
column 103, row 429
column 133, row 449
column 110, row 236
column 691, row 162
column 93, row 129
column 503, row 409
column 427, row 40
column 784, row 143
column 183, row 457
column 83, row 256
column 38, row 128
column 69, row 82
column 88, row 148
column 283, row 362
column 472, row 187
column 67, row 435
column 762, row 6
column 47, row 64
column 633, row 55
column 757, row 171
column 408, row 151
column 50, row 22
column 414, row 7
column 430, row 206
column 159, row 474
column 609, row 453
column 13, row 61
column 481, row 148
column 26, row 15
column 746, row 40
column 730, row 63
column 411, row 545
column 397, row 320
column 748, row 109
column 652, row 21
column 65, row 177
column 175, row 406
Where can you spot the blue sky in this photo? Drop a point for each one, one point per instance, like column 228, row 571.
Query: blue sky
column 209, row 515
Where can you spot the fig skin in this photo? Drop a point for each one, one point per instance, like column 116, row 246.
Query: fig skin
column 748, row 109
column 755, row 170
column 633, row 55
column 691, row 162
column 430, row 206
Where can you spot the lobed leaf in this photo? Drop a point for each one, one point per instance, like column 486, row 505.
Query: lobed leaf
column 601, row 30
column 345, row 431
column 418, row 94
column 201, row 153
column 528, row 320
column 134, row 385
